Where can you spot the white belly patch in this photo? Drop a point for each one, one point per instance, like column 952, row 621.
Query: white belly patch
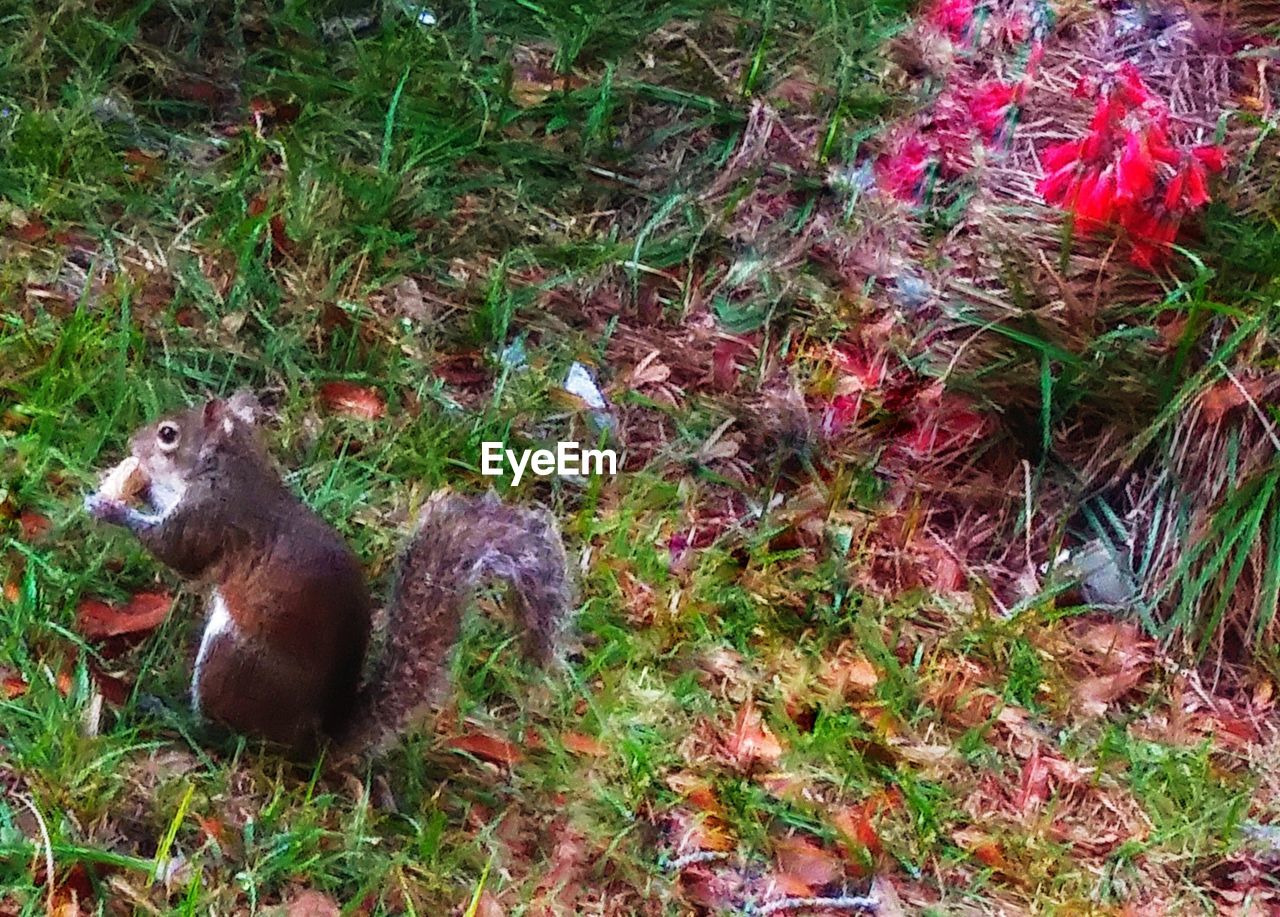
column 217, row 623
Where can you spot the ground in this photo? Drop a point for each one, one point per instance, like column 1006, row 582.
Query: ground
column 793, row 674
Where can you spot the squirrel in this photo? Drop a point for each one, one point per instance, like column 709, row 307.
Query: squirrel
column 289, row 617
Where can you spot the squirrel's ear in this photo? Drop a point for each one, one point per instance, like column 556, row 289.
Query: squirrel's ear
column 219, row 417
column 244, row 406
column 213, row 411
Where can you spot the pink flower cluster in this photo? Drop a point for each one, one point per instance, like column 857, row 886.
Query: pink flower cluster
column 947, row 138
column 1127, row 172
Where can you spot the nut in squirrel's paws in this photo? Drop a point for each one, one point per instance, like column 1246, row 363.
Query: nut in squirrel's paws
column 120, row 485
column 123, row 482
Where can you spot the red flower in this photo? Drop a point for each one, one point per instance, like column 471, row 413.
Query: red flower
column 1213, row 157
column 1149, row 237
column 1127, row 170
column 1197, row 193
column 1136, row 172
column 1034, row 56
column 902, row 173
column 840, row 413
column 1103, row 113
column 1085, row 88
column 1096, row 200
column 953, row 16
column 1173, row 193
column 1061, row 154
column 1057, row 187
column 990, row 106
column 1132, row 88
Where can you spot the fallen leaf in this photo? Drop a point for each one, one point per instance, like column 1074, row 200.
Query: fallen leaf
column 581, row 744
column 850, row 674
column 751, row 741
column 31, row 231
column 532, row 83
column 312, row 904
column 885, row 893
column 196, row 89
column 806, row 861
column 855, row 823
column 143, row 612
column 1096, row 693
column 1119, row 643
column 697, row 790
column 32, row 525
column 114, row 690
column 529, row 90
column 1033, row 789
column 353, row 400
column 724, row 364
column 487, row 905
column 486, row 747
column 211, row 827
column 570, row 860
column 984, row 848
column 464, row 370
column 692, row 832
column 12, row 685
column 280, row 241
column 407, row 299
column 1225, row 394
column 650, row 371
column 930, row 755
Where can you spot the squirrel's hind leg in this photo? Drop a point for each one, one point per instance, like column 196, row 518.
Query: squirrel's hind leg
column 251, row 694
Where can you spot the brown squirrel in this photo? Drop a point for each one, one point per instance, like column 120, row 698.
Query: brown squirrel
column 289, row 616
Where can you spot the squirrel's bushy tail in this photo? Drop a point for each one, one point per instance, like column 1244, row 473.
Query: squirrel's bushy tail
column 460, row 542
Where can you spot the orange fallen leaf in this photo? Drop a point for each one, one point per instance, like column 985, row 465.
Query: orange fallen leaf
column 581, row 744
column 33, row 525
column 1118, row 644
column 790, row 886
column 851, row 674
column 143, row 612
column 312, row 904
column 528, row 91
column 1096, row 693
column 1225, row 395
column 697, row 790
column 12, row 685
column 1033, row 789
column 806, row 862
column 486, row 747
column 532, row 84
column 855, row 823
column 211, row 828
column 31, row 231
column 353, row 400
column 751, row 741
column 692, row 831
column 984, row 848
column 11, row 591
column 487, row 905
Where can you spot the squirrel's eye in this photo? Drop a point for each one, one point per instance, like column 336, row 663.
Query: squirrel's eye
column 167, row 434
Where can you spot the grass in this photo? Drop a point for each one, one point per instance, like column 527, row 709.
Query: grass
column 521, row 162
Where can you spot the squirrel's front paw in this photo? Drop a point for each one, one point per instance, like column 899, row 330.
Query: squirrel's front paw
column 105, row 509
